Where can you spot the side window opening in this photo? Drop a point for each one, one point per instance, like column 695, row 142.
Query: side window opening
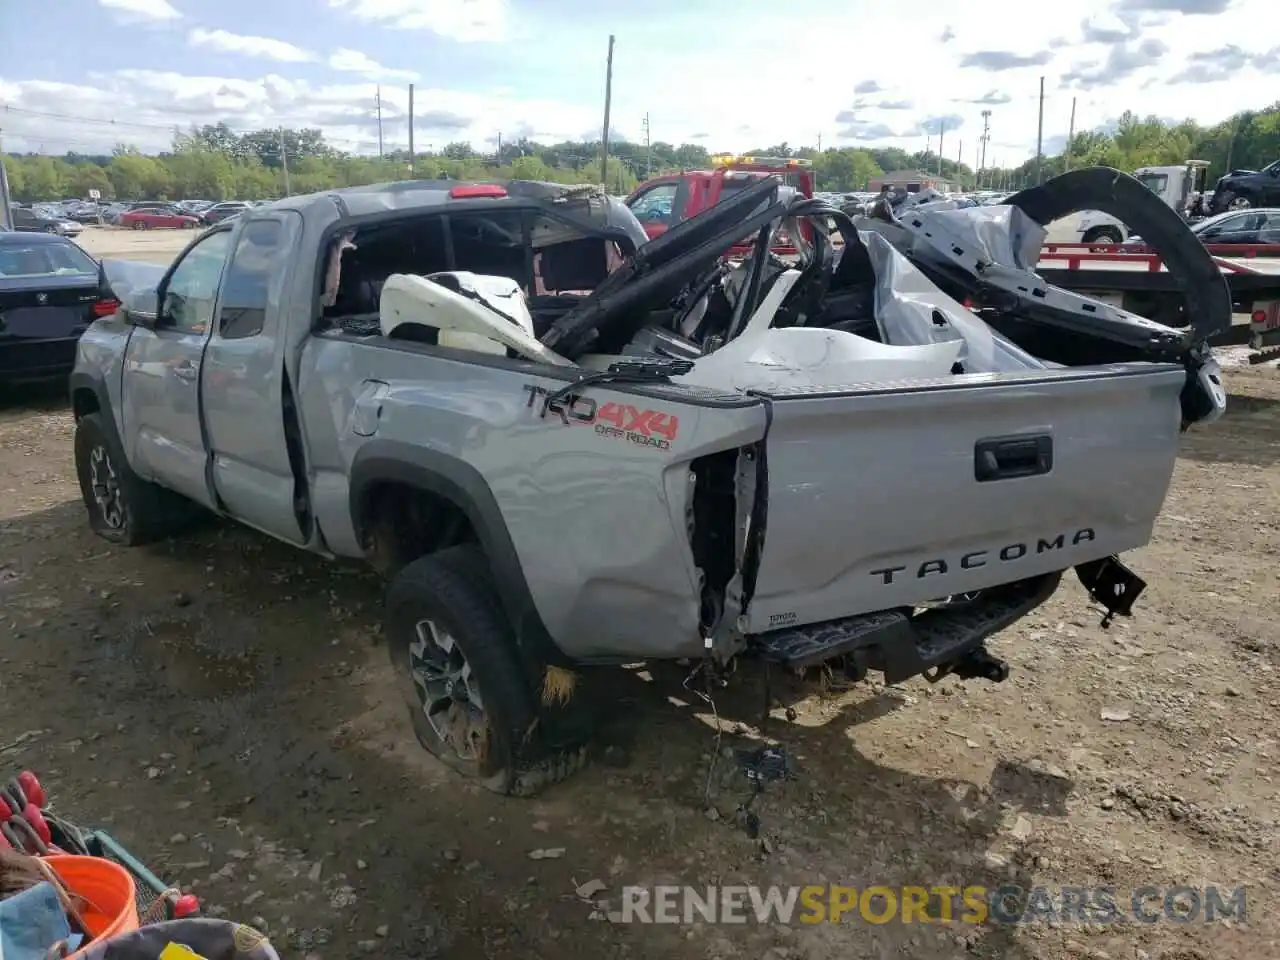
column 193, row 286
column 550, row 260
column 256, row 274
column 374, row 253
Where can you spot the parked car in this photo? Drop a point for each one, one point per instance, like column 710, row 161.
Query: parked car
column 86, row 213
column 152, row 218
column 1240, row 226
column 44, row 219
column 1234, row 226
column 1242, row 189
column 221, row 211
column 50, row 291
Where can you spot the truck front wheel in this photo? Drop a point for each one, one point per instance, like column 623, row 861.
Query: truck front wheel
column 469, row 696
column 122, row 507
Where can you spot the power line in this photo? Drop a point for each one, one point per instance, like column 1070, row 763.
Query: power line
column 140, row 125
column 49, row 115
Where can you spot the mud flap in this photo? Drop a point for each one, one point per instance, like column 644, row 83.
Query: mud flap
column 1111, row 584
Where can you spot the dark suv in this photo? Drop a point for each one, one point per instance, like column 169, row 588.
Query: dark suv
column 1241, row 189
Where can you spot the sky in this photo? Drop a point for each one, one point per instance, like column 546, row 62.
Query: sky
column 732, row 75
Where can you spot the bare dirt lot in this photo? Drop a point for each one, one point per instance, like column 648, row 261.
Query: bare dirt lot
column 224, row 706
column 155, row 246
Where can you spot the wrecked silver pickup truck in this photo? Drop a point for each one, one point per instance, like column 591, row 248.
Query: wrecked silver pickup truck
column 565, row 445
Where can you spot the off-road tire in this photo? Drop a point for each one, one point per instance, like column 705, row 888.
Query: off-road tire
column 1234, row 201
column 454, row 589
column 1103, row 235
column 147, row 512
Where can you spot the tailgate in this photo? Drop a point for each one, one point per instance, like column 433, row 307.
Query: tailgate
column 883, row 496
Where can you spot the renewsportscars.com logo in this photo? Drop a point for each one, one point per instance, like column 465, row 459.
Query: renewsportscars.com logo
column 940, row 904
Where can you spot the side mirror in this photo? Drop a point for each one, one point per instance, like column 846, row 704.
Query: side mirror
column 141, row 307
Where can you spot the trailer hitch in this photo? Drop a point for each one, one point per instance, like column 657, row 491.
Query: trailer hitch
column 976, row 664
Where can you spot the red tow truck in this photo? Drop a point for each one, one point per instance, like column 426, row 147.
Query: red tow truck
column 663, row 201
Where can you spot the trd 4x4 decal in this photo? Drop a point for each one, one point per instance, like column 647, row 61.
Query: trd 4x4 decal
column 646, row 428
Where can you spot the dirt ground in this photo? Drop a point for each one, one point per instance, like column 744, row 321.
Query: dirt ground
column 224, row 706
column 156, row 246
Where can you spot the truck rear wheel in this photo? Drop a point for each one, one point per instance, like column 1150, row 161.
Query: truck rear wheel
column 470, row 697
column 123, row 508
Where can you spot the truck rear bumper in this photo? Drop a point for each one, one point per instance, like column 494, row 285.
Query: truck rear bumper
column 944, row 638
column 902, row 643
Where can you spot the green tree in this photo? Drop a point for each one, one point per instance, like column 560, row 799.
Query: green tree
column 45, row 178
column 138, row 177
column 89, row 176
column 214, row 161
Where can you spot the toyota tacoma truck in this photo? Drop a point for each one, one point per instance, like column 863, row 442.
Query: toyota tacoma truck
column 567, row 445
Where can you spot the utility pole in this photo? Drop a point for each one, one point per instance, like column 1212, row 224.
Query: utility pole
column 6, row 216
column 411, row 128
column 284, row 162
column 1071, row 136
column 499, row 148
column 608, row 102
column 648, row 150
column 819, row 142
column 942, row 130
column 1040, row 139
column 379, row 100
column 986, row 136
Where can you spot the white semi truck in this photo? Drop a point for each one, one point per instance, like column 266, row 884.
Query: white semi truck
column 1178, row 186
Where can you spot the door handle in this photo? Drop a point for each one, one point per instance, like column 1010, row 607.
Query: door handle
column 186, row 370
column 1007, row 458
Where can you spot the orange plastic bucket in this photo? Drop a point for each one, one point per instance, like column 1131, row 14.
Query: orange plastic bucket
column 106, row 894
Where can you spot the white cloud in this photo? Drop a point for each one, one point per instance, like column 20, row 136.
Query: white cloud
column 249, row 46
column 353, row 61
column 144, row 108
column 143, row 9
column 665, row 69
column 462, row 20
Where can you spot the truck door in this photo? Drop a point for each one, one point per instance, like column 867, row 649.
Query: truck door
column 247, row 407
column 161, row 392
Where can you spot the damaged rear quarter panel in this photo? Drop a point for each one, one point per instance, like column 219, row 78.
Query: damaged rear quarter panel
column 599, row 520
